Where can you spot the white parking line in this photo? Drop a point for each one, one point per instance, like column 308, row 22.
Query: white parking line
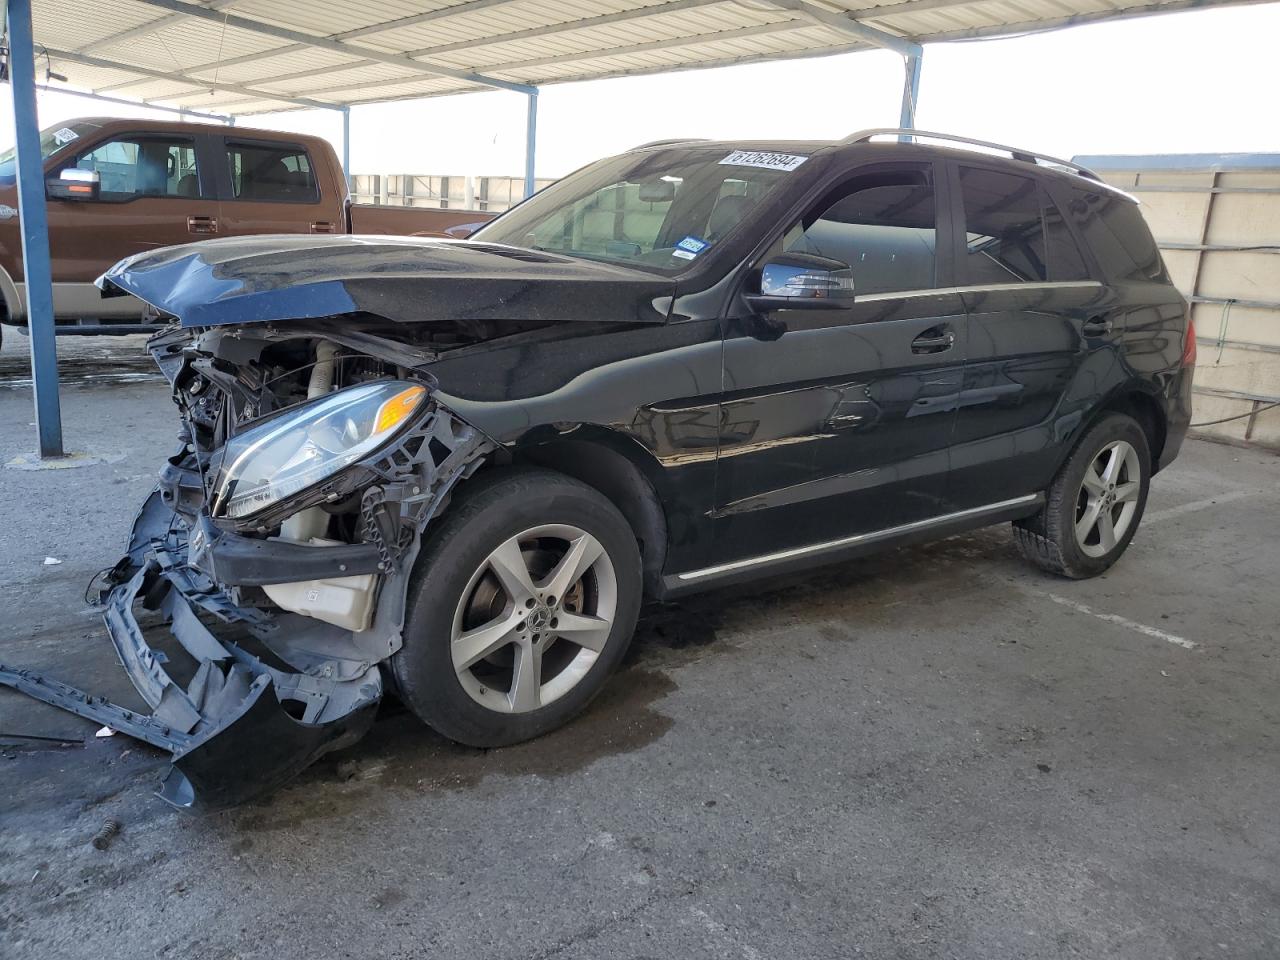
column 1124, row 622
column 1170, row 512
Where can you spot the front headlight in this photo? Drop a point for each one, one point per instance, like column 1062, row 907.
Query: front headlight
column 267, row 463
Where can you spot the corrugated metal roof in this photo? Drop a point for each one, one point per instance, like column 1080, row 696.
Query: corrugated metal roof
column 252, row 56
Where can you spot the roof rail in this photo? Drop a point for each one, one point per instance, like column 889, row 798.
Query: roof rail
column 1017, row 153
column 671, row 142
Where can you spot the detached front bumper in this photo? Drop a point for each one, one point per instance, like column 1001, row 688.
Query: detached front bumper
column 245, row 720
column 245, row 694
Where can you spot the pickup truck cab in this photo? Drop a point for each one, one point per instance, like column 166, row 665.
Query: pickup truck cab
column 118, row 187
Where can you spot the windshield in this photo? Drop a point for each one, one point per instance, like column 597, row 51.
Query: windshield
column 657, row 210
column 52, row 139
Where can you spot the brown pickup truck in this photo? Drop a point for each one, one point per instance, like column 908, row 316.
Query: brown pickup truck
column 117, row 187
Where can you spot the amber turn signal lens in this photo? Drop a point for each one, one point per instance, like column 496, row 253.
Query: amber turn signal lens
column 398, row 409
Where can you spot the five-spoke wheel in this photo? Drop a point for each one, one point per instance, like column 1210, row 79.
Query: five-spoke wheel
column 1094, row 505
column 534, row 618
column 1108, row 498
column 523, row 602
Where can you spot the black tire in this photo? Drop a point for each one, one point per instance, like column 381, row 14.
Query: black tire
column 485, row 513
column 1048, row 539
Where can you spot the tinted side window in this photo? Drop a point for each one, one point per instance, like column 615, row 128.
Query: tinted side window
column 271, row 173
column 1004, row 228
column 1065, row 260
column 143, row 167
column 1113, row 227
column 883, row 225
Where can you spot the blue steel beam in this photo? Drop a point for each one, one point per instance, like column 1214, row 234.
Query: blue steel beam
column 530, row 143
column 90, row 95
column 35, row 228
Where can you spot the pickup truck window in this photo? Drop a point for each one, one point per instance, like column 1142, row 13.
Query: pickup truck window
column 143, row 167
column 272, row 173
column 52, row 139
column 657, row 210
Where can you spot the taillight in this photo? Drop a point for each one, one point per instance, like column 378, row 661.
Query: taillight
column 1189, row 348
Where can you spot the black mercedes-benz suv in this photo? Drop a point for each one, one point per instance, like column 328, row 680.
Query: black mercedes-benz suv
column 456, row 469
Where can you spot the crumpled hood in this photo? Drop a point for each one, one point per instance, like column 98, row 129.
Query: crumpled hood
column 406, row 279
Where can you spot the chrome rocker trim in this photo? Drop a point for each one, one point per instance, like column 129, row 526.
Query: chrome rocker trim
column 860, row 538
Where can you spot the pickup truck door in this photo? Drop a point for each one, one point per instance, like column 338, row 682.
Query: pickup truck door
column 272, row 186
column 155, row 192
column 837, row 422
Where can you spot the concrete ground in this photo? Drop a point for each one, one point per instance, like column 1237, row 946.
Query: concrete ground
column 939, row 752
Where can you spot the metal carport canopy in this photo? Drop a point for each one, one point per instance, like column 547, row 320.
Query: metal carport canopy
column 252, row 56
column 240, row 57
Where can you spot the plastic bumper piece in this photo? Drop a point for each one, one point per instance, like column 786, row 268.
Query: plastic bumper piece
column 240, row 727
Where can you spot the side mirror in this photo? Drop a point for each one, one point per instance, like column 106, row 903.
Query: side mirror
column 74, row 184
column 802, row 281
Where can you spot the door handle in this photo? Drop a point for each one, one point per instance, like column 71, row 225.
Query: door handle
column 202, row 224
column 1096, row 326
column 322, row 226
column 932, row 342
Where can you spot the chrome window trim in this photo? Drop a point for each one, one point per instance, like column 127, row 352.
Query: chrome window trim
column 874, row 535
column 976, row 288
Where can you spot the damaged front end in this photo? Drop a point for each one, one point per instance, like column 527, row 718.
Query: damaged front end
column 276, row 550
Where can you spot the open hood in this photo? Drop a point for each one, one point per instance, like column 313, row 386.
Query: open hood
column 405, row 279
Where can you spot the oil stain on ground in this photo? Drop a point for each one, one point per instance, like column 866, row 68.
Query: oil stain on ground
column 400, row 752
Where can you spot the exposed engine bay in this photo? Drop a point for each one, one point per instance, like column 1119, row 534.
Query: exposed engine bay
column 264, row 586
column 277, row 546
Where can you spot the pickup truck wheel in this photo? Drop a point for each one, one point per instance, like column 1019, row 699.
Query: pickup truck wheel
column 1095, row 503
column 523, row 603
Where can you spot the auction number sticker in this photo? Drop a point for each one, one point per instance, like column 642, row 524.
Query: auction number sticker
column 770, row 161
column 64, row 136
column 689, row 247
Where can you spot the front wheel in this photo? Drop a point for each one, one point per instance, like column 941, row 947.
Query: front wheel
column 1095, row 503
column 524, row 602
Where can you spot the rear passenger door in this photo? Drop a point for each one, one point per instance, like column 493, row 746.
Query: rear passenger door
column 1036, row 315
column 837, row 422
column 272, row 187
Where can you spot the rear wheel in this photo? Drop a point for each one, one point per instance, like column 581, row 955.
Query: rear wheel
column 1095, row 503
column 525, row 602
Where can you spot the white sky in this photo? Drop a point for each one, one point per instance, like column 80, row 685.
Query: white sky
column 1199, row 81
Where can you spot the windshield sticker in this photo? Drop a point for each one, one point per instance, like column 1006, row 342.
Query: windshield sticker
column 770, row 161
column 689, row 247
column 64, row 136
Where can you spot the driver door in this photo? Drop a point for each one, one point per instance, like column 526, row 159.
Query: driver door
column 837, row 422
column 154, row 193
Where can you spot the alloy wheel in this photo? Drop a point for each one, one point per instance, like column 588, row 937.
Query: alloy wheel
column 1108, row 498
column 534, row 618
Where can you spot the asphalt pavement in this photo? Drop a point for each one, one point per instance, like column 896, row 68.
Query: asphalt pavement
column 935, row 753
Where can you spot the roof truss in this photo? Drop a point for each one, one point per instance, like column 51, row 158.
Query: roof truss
column 297, row 53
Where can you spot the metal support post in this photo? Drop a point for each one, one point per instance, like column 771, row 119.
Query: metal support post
column 911, row 90
column 35, row 229
column 530, row 143
column 346, row 145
